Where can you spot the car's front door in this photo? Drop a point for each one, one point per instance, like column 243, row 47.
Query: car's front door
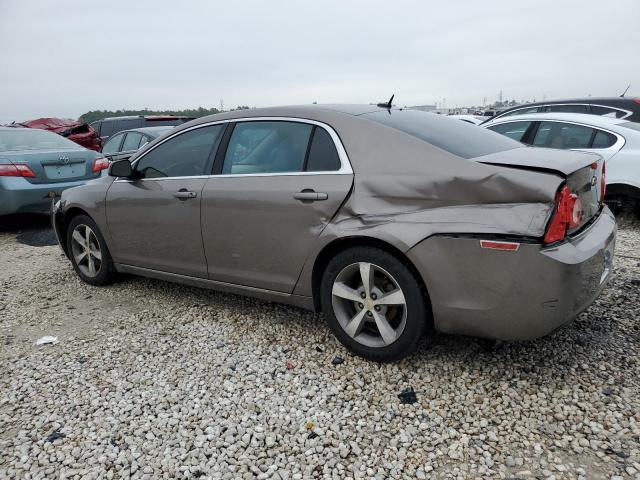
column 154, row 220
column 278, row 185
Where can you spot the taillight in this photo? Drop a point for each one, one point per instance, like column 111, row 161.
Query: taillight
column 567, row 214
column 100, row 164
column 603, row 181
column 16, row 170
column 637, row 100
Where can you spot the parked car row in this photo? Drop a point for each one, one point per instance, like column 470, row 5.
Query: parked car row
column 386, row 220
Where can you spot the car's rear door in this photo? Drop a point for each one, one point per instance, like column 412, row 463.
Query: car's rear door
column 277, row 185
column 154, row 221
column 572, row 136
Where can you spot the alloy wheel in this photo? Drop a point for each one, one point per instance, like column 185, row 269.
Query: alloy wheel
column 369, row 304
column 85, row 249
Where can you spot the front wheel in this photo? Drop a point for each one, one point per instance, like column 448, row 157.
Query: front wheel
column 373, row 304
column 88, row 251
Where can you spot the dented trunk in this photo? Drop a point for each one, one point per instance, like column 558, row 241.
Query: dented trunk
column 582, row 172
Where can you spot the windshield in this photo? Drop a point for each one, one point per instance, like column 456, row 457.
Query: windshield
column 459, row 138
column 20, row 139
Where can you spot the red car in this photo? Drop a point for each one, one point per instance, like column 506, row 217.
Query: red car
column 80, row 133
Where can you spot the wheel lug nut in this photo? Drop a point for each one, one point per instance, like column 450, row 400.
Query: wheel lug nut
column 363, row 295
column 369, row 314
column 377, row 307
column 361, row 305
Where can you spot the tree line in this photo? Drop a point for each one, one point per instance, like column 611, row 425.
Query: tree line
column 94, row 115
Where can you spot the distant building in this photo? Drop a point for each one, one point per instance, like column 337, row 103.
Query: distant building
column 425, row 108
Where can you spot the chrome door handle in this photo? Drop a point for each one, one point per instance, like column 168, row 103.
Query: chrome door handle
column 184, row 194
column 308, row 195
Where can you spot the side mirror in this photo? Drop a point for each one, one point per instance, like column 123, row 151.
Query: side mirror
column 121, row 168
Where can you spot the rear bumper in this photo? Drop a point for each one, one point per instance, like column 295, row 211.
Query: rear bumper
column 514, row 295
column 17, row 195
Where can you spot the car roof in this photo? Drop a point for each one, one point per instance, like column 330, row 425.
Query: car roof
column 595, row 120
column 310, row 112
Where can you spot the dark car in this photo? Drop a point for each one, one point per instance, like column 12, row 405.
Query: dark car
column 112, row 125
column 386, row 220
column 618, row 107
column 124, row 144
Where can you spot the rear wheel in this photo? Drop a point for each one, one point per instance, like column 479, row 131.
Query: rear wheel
column 88, row 251
column 373, row 303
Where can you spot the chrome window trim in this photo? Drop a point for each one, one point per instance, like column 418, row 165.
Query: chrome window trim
column 345, row 163
column 512, row 112
column 621, row 140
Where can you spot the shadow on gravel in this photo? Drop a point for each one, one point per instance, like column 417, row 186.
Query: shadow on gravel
column 32, row 229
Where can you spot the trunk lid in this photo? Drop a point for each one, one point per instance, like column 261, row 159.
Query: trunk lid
column 55, row 166
column 582, row 172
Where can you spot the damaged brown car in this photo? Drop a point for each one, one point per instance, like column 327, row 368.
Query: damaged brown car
column 388, row 221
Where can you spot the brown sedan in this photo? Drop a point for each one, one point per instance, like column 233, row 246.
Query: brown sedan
column 388, row 221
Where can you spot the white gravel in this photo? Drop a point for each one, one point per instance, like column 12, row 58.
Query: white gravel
column 155, row 380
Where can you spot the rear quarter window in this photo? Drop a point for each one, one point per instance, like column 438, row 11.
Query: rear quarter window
column 603, row 139
column 456, row 137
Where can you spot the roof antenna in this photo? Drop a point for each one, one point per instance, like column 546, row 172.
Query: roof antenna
column 625, row 91
column 388, row 104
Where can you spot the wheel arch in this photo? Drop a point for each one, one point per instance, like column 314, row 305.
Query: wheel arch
column 623, row 189
column 62, row 223
column 340, row 244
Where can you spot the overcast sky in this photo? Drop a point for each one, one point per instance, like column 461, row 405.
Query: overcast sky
column 62, row 58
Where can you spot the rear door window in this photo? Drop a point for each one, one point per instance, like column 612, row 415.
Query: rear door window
column 562, row 135
column 267, row 147
column 514, row 130
column 603, row 139
column 323, row 156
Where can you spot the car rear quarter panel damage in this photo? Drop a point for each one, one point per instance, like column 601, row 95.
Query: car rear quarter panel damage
column 406, row 190
column 514, row 295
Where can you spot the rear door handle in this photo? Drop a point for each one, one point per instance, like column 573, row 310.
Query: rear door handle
column 308, row 195
column 183, row 194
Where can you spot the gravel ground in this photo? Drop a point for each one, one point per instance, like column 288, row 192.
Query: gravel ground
column 155, row 380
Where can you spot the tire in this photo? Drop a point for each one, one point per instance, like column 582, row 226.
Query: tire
column 357, row 324
column 103, row 271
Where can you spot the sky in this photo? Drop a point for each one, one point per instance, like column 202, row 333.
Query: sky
column 63, row 58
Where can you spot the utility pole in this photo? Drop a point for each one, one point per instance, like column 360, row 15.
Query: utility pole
column 221, row 105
